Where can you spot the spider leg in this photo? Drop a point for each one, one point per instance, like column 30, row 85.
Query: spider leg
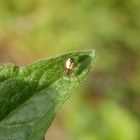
column 77, row 78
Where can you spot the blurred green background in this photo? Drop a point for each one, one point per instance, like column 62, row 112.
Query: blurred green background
column 107, row 107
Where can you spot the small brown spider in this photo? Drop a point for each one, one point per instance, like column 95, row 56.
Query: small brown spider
column 69, row 65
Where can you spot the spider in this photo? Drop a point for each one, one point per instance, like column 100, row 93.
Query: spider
column 69, row 66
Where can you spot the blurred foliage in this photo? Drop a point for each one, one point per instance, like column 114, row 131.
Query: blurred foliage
column 108, row 105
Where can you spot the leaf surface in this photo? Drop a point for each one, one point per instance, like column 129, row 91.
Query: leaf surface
column 30, row 96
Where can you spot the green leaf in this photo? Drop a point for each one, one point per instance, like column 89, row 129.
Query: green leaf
column 30, row 96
